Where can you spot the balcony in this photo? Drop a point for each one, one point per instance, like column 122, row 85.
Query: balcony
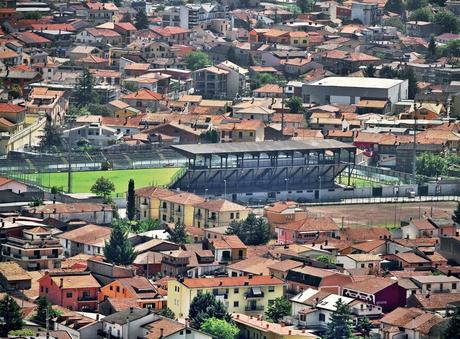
column 257, row 308
column 87, row 298
column 254, row 293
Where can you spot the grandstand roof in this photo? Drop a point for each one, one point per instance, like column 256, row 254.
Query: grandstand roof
column 261, row 147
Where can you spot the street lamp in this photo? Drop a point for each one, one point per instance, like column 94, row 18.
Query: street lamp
column 319, row 192
column 286, row 180
column 225, row 189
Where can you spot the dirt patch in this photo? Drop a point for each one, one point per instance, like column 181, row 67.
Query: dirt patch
column 383, row 215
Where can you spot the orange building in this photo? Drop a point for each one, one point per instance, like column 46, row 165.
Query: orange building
column 137, row 291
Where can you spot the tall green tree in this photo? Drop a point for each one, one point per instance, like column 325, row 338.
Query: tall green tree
column 119, row 250
column 447, row 21
column 412, row 5
column 141, row 21
column 431, row 165
column 84, row 90
column 231, row 55
column 305, row 6
column 52, row 136
column 196, row 60
column 364, row 326
column 205, row 306
column 453, row 327
column 295, row 104
column 395, row 6
column 252, row 231
column 280, row 308
column 10, row 316
column 131, row 201
column 167, row 313
column 340, row 324
column 104, row 188
column 408, row 74
column 178, row 234
column 422, row 14
column 369, row 71
column 220, row 328
column 44, row 310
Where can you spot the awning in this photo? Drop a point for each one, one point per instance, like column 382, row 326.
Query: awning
column 256, row 291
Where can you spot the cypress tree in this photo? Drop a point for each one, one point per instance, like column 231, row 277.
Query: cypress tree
column 10, row 315
column 130, row 205
column 119, row 250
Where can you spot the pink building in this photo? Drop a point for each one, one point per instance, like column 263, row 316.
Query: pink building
column 76, row 291
column 13, row 185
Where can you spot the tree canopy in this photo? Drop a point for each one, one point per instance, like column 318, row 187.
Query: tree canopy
column 205, row 306
column 252, row 231
column 295, row 104
column 141, row 20
column 431, row 165
column 178, row 234
column 119, row 250
column 10, row 315
column 453, row 326
column 447, row 21
column 196, row 60
column 220, row 328
column 281, row 307
column 131, row 201
column 52, row 137
column 84, row 90
column 103, row 187
column 340, row 324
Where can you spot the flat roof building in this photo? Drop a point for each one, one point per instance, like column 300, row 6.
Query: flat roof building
column 350, row 90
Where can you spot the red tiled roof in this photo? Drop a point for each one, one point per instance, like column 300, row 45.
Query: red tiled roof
column 11, row 108
column 311, row 224
column 232, row 281
column 143, row 94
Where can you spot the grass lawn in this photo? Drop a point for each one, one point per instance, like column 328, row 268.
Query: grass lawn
column 360, row 182
column 82, row 181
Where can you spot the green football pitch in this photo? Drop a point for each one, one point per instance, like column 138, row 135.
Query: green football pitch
column 82, row 181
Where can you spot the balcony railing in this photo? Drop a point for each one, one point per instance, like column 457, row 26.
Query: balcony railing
column 257, row 308
column 251, row 295
column 87, row 298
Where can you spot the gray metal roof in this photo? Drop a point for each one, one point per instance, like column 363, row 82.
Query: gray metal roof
column 261, row 147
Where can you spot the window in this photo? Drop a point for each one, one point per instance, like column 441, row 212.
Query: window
column 41, row 289
column 232, row 215
column 199, row 292
column 271, row 288
column 454, row 286
column 322, row 317
column 428, row 286
column 236, row 290
column 236, row 304
column 69, row 295
column 237, row 215
column 118, row 289
column 111, row 288
column 270, row 302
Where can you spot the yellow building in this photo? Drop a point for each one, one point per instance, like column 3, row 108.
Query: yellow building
column 148, row 201
column 298, row 39
column 249, row 294
column 179, row 207
column 217, row 213
column 253, row 327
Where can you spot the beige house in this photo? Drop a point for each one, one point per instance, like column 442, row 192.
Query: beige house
column 179, row 208
column 43, row 101
column 218, row 213
column 147, row 201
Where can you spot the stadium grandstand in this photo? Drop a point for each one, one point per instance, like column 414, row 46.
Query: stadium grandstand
column 263, row 170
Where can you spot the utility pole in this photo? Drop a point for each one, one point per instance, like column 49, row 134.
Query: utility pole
column 414, row 150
